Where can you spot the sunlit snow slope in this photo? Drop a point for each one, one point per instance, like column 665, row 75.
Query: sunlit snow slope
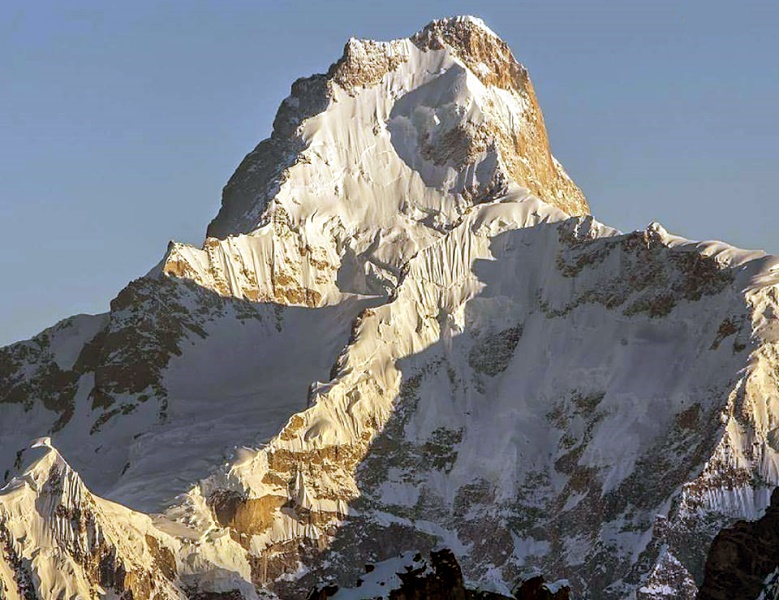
column 403, row 332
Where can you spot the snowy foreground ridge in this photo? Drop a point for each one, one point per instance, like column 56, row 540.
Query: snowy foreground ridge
column 405, row 343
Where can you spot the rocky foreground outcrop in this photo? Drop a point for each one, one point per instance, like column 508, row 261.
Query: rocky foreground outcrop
column 437, row 578
column 743, row 558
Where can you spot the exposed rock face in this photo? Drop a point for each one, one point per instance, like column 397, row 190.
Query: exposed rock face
column 524, row 148
column 403, row 332
column 261, row 172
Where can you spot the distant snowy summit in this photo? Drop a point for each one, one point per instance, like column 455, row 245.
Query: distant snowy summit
column 406, row 362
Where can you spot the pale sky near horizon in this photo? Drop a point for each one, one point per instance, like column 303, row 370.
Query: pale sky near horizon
column 120, row 122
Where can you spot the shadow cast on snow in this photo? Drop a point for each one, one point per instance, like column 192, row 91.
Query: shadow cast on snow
column 557, row 427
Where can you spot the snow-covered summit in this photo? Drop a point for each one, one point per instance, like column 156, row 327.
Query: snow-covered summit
column 373, row 161
column 377, row 75
column 39, row 471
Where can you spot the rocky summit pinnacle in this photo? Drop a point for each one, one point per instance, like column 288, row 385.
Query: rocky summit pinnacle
column 406, row 362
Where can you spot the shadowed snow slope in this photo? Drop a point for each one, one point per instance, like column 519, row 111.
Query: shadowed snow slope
column 404, row 332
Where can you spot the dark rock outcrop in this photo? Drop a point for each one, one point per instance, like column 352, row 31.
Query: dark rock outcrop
column 440, row 578
column 742, row 557
column 535, row 589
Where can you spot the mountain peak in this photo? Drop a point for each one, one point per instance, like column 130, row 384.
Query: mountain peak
column 49, row 481
column 459, row 25
column 431, row 109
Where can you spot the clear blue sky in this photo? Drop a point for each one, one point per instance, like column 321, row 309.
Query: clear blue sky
column 121, row 121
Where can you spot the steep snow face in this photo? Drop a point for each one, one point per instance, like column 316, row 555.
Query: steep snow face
column 403, row 332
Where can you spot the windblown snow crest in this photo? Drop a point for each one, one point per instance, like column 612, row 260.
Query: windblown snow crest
column 404, row 336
